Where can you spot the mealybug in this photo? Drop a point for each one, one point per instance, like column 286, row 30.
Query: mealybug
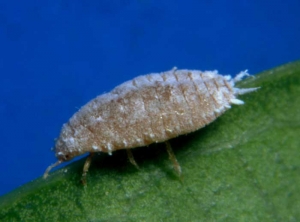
column 148, row 109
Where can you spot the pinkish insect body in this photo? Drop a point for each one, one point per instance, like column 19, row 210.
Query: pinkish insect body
column 148, row 109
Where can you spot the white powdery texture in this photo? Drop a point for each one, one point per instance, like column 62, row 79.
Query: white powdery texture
column 150, row 108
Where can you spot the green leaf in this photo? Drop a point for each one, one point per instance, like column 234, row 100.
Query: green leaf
column 245, row 166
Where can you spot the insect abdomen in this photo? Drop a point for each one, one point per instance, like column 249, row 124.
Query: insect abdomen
column 154, row 108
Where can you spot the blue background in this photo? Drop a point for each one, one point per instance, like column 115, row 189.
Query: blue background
column 57, row 55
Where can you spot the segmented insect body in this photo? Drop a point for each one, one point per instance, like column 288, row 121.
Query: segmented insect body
column 148, row 109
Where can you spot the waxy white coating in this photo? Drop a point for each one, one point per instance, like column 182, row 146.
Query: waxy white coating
column 148, row 109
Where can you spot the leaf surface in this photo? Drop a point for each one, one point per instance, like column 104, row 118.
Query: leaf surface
column 245, row 166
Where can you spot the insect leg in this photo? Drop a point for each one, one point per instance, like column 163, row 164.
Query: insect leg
column 131, row 158
column 86, row 167
column 173, row 158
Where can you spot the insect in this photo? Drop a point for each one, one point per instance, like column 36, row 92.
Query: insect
column 148, row 109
